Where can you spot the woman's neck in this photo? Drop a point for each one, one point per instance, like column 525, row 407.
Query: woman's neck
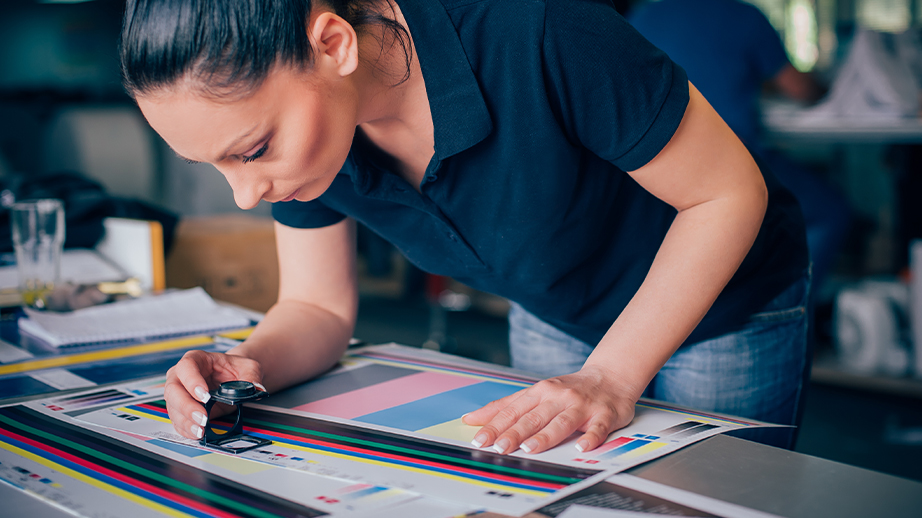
column 396, row 117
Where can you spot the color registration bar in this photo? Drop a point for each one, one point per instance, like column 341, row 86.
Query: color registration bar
column 634, row 447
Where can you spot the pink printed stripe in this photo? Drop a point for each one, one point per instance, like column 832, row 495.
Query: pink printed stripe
column 387, row 394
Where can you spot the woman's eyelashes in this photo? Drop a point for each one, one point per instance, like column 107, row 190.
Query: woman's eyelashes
column 259, row 152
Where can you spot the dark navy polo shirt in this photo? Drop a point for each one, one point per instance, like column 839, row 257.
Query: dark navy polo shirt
column 539, row 106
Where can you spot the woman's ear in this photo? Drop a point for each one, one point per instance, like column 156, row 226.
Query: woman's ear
column 335, row 43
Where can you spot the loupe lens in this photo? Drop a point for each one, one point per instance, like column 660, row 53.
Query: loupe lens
column 236, row 389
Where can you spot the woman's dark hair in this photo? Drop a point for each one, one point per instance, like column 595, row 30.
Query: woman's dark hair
column 229, row 46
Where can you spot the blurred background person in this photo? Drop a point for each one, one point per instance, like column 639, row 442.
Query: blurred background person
column 731, row 53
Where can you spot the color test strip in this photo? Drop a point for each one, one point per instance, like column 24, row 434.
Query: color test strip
column 386, row 395
column 96, row 400
column 694, row 431
column 624, row 448
column 354, row 436
column 143, row 474
column 13, row 446
column 522, row 484
column 678, row 428
column 91, row 396
column 147, row 410
column 140, row 492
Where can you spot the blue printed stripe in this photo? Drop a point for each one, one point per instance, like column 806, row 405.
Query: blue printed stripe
column 439, row 408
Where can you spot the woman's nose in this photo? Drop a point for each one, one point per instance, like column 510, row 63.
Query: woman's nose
column 248, row 191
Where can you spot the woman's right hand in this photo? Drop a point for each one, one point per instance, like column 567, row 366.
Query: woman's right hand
column 189, row 381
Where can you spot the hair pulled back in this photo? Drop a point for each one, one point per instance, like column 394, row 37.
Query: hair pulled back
column 229, row 46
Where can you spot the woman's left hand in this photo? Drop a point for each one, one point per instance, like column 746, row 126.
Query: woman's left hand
column 540, row 417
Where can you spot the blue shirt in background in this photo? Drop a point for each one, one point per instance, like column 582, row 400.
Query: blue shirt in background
column 727, row 47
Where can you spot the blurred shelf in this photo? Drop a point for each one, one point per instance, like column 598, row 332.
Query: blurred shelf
column 828, row 371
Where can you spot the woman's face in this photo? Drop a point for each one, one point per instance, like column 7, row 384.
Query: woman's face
column 285, row 141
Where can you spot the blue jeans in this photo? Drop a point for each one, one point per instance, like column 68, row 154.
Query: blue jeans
column 759, row 372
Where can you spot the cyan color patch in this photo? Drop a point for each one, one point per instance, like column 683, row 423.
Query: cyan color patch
column 439, row 408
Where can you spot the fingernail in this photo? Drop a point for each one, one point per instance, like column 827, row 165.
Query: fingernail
column 582, row 445
column 501, row 445
column 200, row 418
column 202, row 394
column 197, row 431
column 479, row 440
column 529, row 445
column 465, row 415
column 261, row 387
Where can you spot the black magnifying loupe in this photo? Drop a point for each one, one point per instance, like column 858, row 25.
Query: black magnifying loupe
column 233, row 393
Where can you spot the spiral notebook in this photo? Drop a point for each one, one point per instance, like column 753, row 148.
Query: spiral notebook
column 152, row 317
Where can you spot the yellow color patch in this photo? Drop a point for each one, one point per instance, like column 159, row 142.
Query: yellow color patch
column 452, row 430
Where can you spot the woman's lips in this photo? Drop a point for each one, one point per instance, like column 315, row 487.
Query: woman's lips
column 291, row 196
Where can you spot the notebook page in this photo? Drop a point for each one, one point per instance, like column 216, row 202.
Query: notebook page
column 170, row 314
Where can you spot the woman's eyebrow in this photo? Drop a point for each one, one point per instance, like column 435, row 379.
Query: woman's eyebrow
column 235, row 143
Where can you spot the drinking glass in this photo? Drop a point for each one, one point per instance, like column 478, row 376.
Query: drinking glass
column 38, row 238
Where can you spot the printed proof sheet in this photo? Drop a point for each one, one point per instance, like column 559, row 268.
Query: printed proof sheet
column 380, row 431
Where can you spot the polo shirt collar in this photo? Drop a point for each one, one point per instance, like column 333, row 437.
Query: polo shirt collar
column 459, row 113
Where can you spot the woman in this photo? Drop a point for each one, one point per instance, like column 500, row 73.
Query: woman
column 542, row 151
